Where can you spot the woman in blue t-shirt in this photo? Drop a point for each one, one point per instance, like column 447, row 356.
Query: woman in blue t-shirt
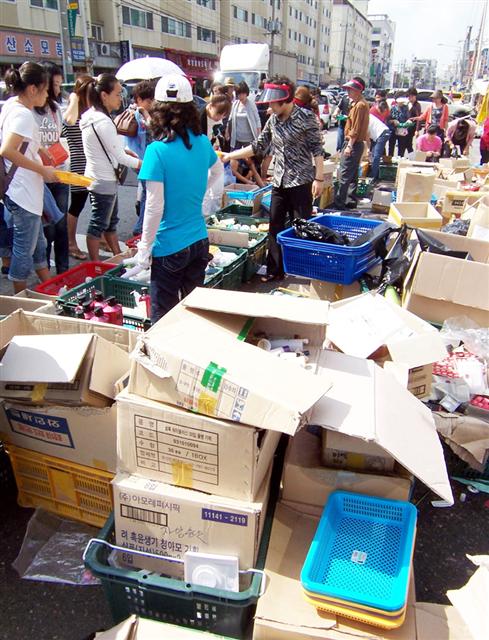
column 178, row 169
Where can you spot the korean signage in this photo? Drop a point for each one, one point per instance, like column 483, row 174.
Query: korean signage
column 192, row 64
column 72, row 13
column 23, row 45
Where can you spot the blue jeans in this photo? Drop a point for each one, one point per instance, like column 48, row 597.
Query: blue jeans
column 57, row 234
column 6, row 236
column 340, row 137
column 29, row 243
column 104, row 214
column 176, row 275
column 378, row 152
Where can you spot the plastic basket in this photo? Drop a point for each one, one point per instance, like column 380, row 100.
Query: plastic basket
column 171, row 600
column 256, row 257
column 213, row 278
column 330, row 262
column 232, row 274
column 241, row 213
column 62, row 487
column 132, row 242
column 109, row 286
column 242, row 193
column 388, row 172
column 73, row 277
column 361, row 552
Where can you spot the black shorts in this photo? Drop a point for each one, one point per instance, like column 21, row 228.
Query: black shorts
column 78, row 200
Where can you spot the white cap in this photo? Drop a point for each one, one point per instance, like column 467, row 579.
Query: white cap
column 173, row 88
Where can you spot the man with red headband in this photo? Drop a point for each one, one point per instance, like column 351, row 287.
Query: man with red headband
column 293, row 134
column 356, row 134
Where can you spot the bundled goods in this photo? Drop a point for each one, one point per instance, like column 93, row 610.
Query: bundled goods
column 94, row 307
column 221, row 258
column 233, row 224
column 293, row 350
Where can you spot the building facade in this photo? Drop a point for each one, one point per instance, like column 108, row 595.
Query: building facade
column 189, row 32
column 382, row 51
column 423, row 73
column 350, row 46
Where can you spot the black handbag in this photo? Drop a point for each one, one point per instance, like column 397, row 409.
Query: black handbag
column 121, row 169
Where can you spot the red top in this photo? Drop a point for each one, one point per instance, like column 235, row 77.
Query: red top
column 381, row 116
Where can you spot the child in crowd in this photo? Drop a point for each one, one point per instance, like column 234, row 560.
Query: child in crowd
column 430, row 143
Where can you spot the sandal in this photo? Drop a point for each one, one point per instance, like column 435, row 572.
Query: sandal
column 77, row 254
column 271, row 277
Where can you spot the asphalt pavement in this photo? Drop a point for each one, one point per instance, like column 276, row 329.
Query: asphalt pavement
column 57, row 612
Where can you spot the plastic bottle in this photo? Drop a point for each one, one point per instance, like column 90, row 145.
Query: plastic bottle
column 87, row 310
column 113, row 311
column 295, row 344
column 79, row 313
column 99, row 316
column 98, row 300
column 146, row 298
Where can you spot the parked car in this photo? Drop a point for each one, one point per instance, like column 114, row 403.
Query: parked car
column 326, row 109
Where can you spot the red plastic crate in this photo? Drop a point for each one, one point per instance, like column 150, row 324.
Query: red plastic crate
column 73, row 277
column 132, row 243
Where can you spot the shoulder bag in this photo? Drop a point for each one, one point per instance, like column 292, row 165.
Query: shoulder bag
column 121, row 169
column 126, row 123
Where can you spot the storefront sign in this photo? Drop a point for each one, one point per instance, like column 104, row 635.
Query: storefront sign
column 15, row 44
column 192, row 64
column 125, row 51
column 77, row 51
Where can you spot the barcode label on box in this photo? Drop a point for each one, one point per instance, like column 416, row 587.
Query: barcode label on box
column 144, row 515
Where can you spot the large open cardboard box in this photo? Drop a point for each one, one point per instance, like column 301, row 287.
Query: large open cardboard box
column 421, row 215
column 440, row 287
column 196, row 357
column 366, row 402
column 191, row 450
column 9, row 304
column 165, row 520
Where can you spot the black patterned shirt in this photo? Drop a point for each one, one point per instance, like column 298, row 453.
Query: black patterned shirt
column 294, row 143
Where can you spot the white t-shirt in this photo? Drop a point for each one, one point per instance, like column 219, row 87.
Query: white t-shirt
column 27, row 187
column 376, row 128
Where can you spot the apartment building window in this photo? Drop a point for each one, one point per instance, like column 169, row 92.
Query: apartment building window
column 45, row 4
column 290, row 12
column 210, row 4
column 97, row 32
column 295, row 35
column 376, row 30
column 206, row 35
column 290, row 34
column 258, row 21
column 238, row 40
column 240, row 14
column 176, row 27
column 135, row 18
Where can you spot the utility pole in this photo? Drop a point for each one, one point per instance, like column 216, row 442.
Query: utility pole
column 342, row 78
column 86, row 44
column 272, row 39
column 68, row 74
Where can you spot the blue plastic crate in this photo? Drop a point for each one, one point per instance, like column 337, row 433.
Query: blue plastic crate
column 361, row 552
column 330, row 262
column 247, row 195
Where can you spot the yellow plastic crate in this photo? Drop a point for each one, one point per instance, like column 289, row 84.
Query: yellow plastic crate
column 65, row 488
column 421, row 215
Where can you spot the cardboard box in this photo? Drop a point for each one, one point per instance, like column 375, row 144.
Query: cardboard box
column 426, row 168
column 440, row 287
column 421, row 215
column 231, row 190
column 186, row 449
column 381, row 200
column 306, row 481
column 9, row 304
column 161, row 519
column 368, row 403
column 67, row 369
column 415, row 185
column 420, row 381
column 136, row 628
column 327, row 196
column 283, row 613
column 34, row 295
column 195, row 357
column 454, row 163
column 441, row 186
column 354, row 454
column 332, row 292
column 83, row 435
column 456, row 201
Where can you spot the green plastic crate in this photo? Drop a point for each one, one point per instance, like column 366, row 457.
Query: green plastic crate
column 109, row 286
column 213, row 278
column 171, row 600
column 388, row 172
column 257, row 256
column 233, row 273
column 242, row 214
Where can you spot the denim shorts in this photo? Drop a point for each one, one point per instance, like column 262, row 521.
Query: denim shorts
column 104, row 214
column 29, row 243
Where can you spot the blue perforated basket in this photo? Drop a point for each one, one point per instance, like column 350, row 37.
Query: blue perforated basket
column 361, row 552
column 330, row 262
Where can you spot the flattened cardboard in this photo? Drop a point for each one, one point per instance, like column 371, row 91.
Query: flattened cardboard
column 186, row 449
column 439, row 622
column 173, row 520
column 366, row 402
column 441, row 287
column 282, row 612
column 193, row 358
column 361, row 325
column 83, row 435
column 136, row 628
column 9, row 304
column 308, row 484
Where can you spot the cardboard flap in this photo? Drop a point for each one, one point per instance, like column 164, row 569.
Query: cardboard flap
column 366, row 402
column 259, row 305
column 109, row 364
column 46, row 358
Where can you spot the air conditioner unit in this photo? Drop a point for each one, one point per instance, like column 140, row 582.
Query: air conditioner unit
column 104, row 49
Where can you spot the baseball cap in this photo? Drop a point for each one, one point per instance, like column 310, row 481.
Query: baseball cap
column 354, row 84
column 173, row 88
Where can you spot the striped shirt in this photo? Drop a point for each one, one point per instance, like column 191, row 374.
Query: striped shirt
column 294, row 143
column 73, row 135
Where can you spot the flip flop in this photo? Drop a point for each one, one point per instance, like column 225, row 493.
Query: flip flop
column 77, row 254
